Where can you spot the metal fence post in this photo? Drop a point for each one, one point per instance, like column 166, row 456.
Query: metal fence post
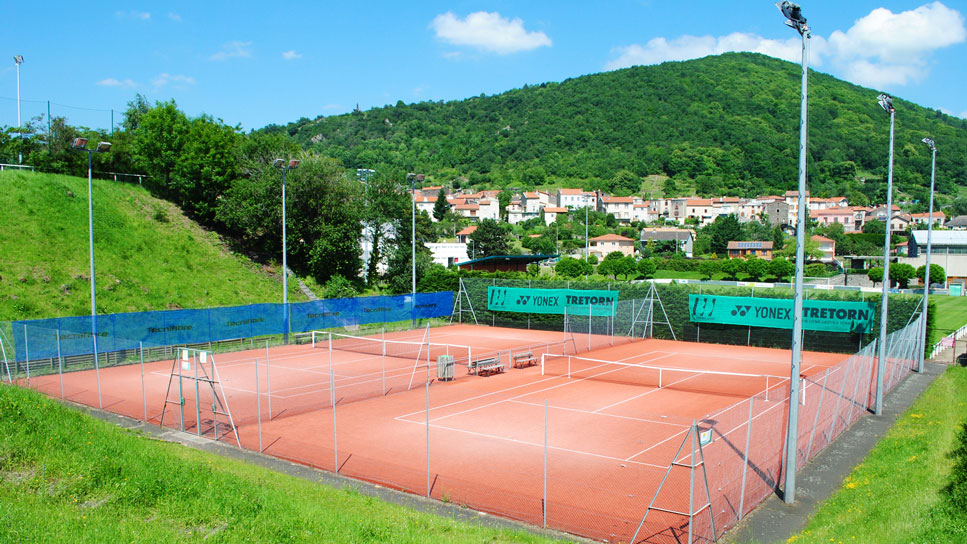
column 544, row 509
column 819, row 407
column 60, row 365
column 332, row 401
column 258, row 404
column 144, row 399
column 27, row 356
column 745, row 459
column 427, row 437
column 383, row 358
column 268, row 380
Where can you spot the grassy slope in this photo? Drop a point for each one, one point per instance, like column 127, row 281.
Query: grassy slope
column 895, row 494
column 66, row 477
column 148, row 255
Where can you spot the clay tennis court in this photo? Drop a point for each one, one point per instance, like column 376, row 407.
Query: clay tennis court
column 611, row 432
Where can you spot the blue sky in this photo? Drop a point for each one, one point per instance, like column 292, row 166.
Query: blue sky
column 255, row 64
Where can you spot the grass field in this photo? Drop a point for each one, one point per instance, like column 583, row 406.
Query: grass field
column 895, row 495
column 951, row 314
column 147, row 253
column 66, row 477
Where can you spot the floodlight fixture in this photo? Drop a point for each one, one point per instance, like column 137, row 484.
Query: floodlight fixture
column 79, row 144
column 930, row 144
column 103, row 147
column 886, row 102
column 293, row 164
column 793, row 13
column 19, row 59
column 278, row 163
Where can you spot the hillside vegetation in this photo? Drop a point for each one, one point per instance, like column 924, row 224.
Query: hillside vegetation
column 148, row 256
column 731, row 122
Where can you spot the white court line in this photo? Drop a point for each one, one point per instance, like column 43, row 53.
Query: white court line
column 655, row 445
column 522, row 395
column 616, row 416
column 535, row 444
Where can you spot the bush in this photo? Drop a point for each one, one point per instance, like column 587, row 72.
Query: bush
column 339, row 287
column 955, row 492
column 815, row 270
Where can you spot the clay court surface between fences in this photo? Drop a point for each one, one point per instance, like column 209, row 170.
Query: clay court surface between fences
column 590, row 429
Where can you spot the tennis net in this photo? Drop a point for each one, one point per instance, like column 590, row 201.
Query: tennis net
column 732, row 384
column 426, row 352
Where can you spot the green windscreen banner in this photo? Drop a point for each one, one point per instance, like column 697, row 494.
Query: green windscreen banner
column 551, row 301
column 818, row 315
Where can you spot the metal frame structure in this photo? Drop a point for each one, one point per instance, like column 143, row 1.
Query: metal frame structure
column 198, row 359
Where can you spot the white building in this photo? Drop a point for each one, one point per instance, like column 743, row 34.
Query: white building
column 448, row 254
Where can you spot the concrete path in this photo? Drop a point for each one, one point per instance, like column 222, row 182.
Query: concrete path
column 776, row 521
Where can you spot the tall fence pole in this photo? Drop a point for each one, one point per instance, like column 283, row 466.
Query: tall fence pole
column 27, row 356
column 332, row 401
column 545, row 464
column 745, row 458
column 268, row 380
column 60, row 365
column 383, row 358
column 144, row 398
column 427, row 438
column 258, row 404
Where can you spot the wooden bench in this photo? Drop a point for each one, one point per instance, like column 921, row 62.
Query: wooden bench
column 526, row 359
column 485, row 367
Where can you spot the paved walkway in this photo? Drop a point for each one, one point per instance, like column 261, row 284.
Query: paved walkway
column 776, row 521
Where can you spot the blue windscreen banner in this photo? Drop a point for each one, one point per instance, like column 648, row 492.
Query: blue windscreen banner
column 67, row 336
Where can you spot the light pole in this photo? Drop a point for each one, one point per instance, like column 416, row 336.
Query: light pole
column 887, row 104
column 413, row 178
column 19, row 59
column 587, row 244
column 926, row 271
column 292, row 165
column 80, row 144
column 795, row 20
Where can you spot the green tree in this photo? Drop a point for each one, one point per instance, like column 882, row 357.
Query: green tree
column 875, row 275
column 625, row 182
column 702, row 245
column 613, row 264
column 206, row 166
column 647, row 267
column 902, row 273
column 724, row 229
column 441, row 207
column 874, row 226
column 778, row 239
column 781, row 268
column 159, row 141
column 386, row 214
column 710, row 267
column 569, row 267
column 731, row 267
column 937, row 274
column 756, row 268
column 490, row 238
column 136, row 110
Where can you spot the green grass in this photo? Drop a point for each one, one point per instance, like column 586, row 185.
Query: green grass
column 678, row 275
column 66, row 477
column 148, row 255
column 951, row 314
column 895, row 494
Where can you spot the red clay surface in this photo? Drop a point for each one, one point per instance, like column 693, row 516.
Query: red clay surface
column 608, row 444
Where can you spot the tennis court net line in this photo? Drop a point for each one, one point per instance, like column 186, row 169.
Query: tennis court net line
column 731, row 384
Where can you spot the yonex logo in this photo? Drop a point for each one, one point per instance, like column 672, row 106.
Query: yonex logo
column 523, row 300
column 741, row 310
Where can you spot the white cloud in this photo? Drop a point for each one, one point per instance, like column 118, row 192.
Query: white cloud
column 488, row 32
column 886, row 48
column 177, row 18
column 881, row 49
column 178, row 80
column 291, row 55
column 112, row 82
column 234, row 49
column 140, row 15
column 692, row 47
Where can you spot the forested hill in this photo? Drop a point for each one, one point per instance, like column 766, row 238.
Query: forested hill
column 728, row 122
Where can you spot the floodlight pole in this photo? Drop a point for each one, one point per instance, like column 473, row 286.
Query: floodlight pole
column 792, row 439
column 18, row 59
column 587, row 244
column 887, row 104
column 80, row 144
column 292, row 165
column 926, row 270
column 413, row 179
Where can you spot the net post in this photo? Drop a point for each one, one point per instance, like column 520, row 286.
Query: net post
column 268, row 380
column 332, row 401
column 258, row 404
column 745, row 459
column 144, row 398
column 181, row 389
column 60, row 366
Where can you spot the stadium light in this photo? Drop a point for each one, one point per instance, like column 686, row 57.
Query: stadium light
column 886, row 102
column 80, row 144
column 19, row 59
column 280, row 164
column 926, row 271
column 795, row 20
